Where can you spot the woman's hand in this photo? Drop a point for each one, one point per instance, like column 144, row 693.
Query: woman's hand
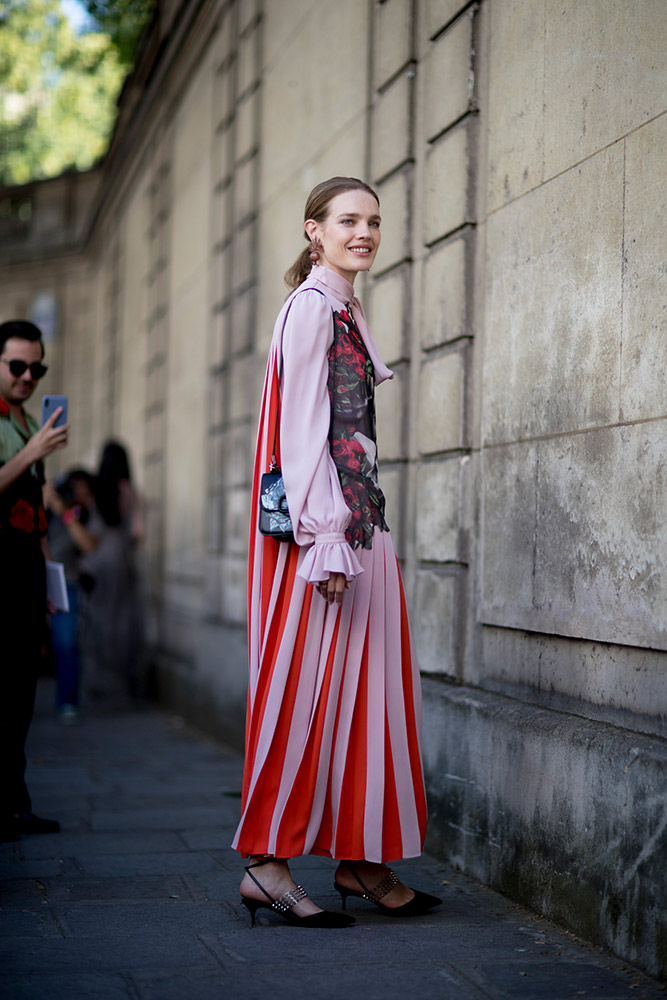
column 332, row 590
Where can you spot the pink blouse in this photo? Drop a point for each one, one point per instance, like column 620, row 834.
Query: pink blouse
column 317, row 508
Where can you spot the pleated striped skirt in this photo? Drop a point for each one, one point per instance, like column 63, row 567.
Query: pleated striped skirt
column 333, row 736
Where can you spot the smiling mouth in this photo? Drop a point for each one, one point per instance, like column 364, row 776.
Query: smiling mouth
column 360, row 250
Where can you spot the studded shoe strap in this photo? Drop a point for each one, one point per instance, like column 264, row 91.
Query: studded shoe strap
column 289, row 899
column 383, row 887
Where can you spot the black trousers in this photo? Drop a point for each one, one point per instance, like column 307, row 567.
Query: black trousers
column 22, row 624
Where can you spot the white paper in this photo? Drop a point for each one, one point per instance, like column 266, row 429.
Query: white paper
column 56, row 588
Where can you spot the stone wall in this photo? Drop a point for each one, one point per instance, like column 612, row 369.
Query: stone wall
column 517, row 147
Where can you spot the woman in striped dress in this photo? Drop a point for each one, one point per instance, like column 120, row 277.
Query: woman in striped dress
column 333, row 763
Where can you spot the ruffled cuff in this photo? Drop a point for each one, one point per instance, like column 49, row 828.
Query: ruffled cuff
column 329, row 554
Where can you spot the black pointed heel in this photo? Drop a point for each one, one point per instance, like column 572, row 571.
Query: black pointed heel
column 283, row 905
column 251, row 905
column 421, row 903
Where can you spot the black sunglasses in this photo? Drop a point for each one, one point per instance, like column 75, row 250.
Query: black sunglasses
column 17, row 368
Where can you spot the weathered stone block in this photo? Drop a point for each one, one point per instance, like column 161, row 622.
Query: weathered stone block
column 216, row 396
column 391, row 416
column 246, row 126
column 296, row 90
column 240, row 385
column 222, row 217
column 223, row 97
column 579, row 521
column 191, row 188
column 438, row 13
column 213, row 579
column 219, row 278
column 238, row 454
column 386, row 315
column 644, row 357
column 237, row 520
column 515, row 116
column 234, row 589
column 593, row 52
column 548, row 807
column 448, row 77
column 393, row 196
column 242, row 321
column 246, row 54
column 391, row 128
column 223, row 42
column 440, row 404
column 248, row 11
column 280, row 241
column 244, row 261
column 218, row 337
column 446, row 186
column 245, row 190
column 432, row 619
column 437, row 521
column 344, row 156
column 553, row 311
column 509, row 535
column 392, row 42
column 606, row 685
column 392, row 484
column 282, row 34
column 214, row 532
column 185, row 469
column 444, row 296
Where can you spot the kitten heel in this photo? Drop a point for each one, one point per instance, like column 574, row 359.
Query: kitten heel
column 251, row 905
column 343, row 893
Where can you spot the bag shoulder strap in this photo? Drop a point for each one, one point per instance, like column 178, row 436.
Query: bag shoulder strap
column 274, row 467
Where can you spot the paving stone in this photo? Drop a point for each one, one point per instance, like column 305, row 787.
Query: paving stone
column 37, row 923
column 551, row 980
column 213, row 837
column 127, row 841
column 158, row 819
column 111, row 986
column 30, row 868
column 210, row 983
column 162, row 863
column 329, row 981
column 158, row 798
column 73, row 890
column 108, row 919
column 158, row 948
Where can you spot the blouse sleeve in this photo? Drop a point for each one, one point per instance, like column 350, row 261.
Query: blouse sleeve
column 314, row 496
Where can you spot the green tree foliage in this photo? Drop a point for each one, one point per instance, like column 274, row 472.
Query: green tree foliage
column 123, row 21
column 58, row 88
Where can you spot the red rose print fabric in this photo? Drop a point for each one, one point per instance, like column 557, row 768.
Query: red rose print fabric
column 352, row 438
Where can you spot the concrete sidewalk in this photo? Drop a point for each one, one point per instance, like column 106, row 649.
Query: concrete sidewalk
column 138, row 897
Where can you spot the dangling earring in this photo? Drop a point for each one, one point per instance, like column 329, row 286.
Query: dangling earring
column 316, row 249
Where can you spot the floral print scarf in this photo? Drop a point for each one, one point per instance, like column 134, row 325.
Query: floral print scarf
column 352, row 437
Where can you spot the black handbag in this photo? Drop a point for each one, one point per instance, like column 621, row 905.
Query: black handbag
column 274, row 516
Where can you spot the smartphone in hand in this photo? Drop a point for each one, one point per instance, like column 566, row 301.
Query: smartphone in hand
column 49, row 405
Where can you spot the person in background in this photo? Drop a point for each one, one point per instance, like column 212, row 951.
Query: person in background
column 23, row 548
column 72, row 531
column 113, row 625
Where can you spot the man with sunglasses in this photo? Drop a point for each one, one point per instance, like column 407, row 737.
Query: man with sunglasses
column 23, row 547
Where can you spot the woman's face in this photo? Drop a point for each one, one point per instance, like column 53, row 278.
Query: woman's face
column 350, row 234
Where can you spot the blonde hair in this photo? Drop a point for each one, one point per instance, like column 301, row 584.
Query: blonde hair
column 317, row 208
